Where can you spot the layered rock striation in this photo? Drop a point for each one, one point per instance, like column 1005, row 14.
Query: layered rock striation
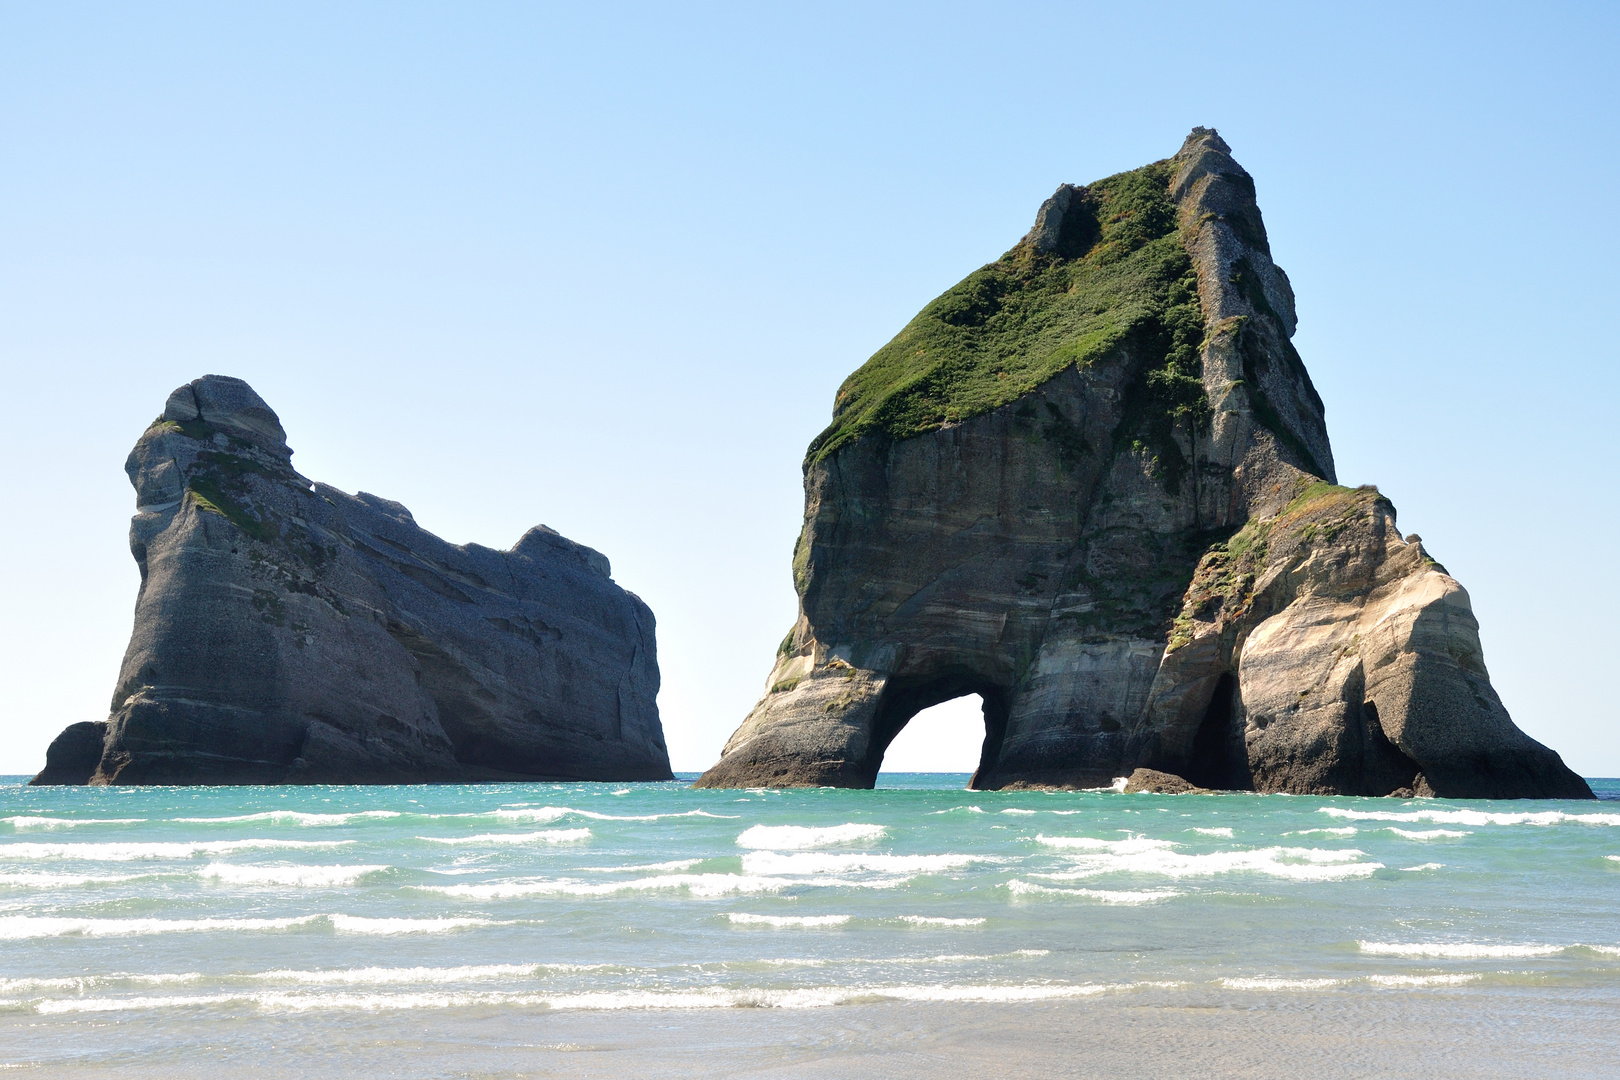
column 288, row 632
column 1092, row 483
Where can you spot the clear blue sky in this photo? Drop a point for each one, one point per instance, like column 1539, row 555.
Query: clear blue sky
column 603, row 267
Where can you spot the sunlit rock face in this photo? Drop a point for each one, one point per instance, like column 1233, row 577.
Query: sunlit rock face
column 288, row 632
column 1093, row 484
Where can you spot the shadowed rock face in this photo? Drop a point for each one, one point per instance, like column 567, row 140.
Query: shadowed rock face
column 287, row 632
column 1093, row 484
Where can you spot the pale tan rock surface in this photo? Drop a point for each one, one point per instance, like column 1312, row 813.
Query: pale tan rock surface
column 1057, row 554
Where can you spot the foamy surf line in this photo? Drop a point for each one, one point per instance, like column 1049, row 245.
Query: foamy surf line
column 1472, row 817
column 543, row 814
column 292, row 876
column 799, row 837
column 1464, row 950
column 26, row 822
column 1106, row 896
column 22, row 927
column 804, row 922
column 817, row 862
column 545, row 836
column 1140, row 855
column 699, row 885
column 706, row 998
column 295, row 817
column 370, row 976
column 127, row 852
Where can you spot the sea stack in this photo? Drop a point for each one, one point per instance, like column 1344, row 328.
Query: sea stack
column 1092, row 483
column 288, row 632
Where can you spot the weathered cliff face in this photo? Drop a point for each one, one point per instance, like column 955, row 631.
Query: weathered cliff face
column 1029, row 495
column 287, row 632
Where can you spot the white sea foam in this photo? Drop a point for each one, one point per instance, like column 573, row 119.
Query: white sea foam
column 544, row 814
column 1016, row 810
column 1215, row 831
column 817, row 862
column 706, row 998
column 799, row 837
column 1348, row 830
column 354, row 924
column 1106, row 896
column 19, row 927
column 706, row 886
column 544, row 836
column 939, row 920
column 675, row 864
column 294, row 817
column 1133, row 846
column 377, row 976
column 1280, row 984
column 1420, row 980
column 1474, row 817
column 1424, row 866
column 1144, row 856
column 1612, row 858
column 62, row 881
column 1427, row 834
column 1458, row 950
column 302, row 876
column 781, row 921
column 958, row 810
column 1119, row 784
column 81, row 983
column 24, row 822
column 152, row 849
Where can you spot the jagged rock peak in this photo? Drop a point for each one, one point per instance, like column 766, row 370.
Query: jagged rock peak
column 229, row 404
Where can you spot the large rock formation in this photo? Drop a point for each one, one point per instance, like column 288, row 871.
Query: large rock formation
column 287, row 632
column 1092, row 484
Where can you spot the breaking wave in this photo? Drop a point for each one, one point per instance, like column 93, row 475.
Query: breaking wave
column 301, row 876
column 1106, row 896
column 1473, row 817
column 1144, row 856
column 545, row 836
column 739, row 918
column 153, row 849
column 799, row 837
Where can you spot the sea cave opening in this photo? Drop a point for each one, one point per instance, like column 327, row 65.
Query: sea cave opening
column 950, row 722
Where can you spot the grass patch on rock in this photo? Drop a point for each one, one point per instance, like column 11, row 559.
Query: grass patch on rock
column 1125, row 282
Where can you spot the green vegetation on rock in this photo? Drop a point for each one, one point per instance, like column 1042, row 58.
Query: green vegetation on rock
column 1125, row 282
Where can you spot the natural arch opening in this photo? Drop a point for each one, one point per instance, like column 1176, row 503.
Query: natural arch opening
column 943, row 738
column 954, row 694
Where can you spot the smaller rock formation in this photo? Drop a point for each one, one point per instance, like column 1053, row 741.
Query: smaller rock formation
column 1160, row 783
column 288, row 632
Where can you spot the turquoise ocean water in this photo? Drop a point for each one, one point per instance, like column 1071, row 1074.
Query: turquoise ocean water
column 236, row 906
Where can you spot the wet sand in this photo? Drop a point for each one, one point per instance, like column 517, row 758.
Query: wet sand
column 1518, row 1032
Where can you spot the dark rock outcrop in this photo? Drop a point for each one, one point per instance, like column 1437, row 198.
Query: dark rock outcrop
column 287, row 632
column 1151, row 781
column 74, row 755
column 1092, row 484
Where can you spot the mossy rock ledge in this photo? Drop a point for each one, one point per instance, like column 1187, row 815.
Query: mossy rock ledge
column 1092, row 483
column 288, row 632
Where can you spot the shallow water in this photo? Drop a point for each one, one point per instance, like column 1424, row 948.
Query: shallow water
column 264, row 914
